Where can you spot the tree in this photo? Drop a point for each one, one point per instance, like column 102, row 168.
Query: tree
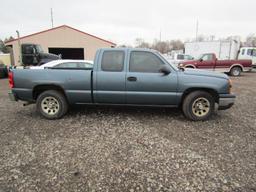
column 176, row 45
column 250, row 40
column 161, row 46
column 140, row 43
column 3, row 47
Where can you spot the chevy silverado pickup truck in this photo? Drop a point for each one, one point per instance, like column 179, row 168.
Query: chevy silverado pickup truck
column 209, row 61
column 123, row 76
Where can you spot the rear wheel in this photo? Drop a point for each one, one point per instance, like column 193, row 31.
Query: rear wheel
column 235, row 71
column 198, row 106
column 52, row 104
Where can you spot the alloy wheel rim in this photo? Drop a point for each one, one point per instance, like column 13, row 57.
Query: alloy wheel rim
column 50, row 105
column 201, row 107
column 236, row 72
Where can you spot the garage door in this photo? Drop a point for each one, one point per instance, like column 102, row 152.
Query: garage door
column 68, row 53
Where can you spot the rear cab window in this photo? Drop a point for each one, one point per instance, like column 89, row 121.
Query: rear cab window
column 112, row 61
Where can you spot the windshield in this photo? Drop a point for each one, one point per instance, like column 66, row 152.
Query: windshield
column 39, row 49
column 163, row 57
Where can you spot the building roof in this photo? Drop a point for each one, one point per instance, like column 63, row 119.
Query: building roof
column 55, row 28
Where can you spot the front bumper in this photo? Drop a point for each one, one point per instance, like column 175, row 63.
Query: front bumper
column 226, row 101
column 12, row 96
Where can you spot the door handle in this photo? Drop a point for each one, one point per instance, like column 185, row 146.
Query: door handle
column 132, row 78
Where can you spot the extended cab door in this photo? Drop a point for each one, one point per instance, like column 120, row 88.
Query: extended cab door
column 145, row 85
column 109, row 77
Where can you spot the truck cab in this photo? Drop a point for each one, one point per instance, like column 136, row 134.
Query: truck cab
column 248, row 53
column 33, row 54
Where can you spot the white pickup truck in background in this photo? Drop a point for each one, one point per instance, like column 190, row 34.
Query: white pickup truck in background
column 248, row 53
column 177, row 58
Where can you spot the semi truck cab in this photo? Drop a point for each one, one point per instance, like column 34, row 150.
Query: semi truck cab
column 33, row 54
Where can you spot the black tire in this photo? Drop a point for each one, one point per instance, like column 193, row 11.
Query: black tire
column 195, row 113
column 235, row 71
column 58, row 107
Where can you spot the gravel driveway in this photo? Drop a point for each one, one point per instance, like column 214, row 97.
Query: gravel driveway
column 129, row 149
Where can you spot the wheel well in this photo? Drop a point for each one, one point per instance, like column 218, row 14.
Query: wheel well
column 190, row 66
column 236, row 65
column 212, row 92
column 41, row 88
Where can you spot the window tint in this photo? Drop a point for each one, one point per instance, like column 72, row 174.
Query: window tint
column 84, row 65
column 67, row 65
column 254, row 52
column 180, row 57
column 112, row 61
column 207, row 57
column 141, row 61
column 249, row 52
column 188, row 57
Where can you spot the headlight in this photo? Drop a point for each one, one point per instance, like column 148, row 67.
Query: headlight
column 181, row 65
column 229, row 85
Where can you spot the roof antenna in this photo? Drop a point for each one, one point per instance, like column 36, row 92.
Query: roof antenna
column 52, row 17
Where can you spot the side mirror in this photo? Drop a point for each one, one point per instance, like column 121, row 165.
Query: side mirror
column 201, row 60
column 165, row 70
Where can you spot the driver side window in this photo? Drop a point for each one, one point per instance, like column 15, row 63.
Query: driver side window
column 142, row 61
column 207, row 57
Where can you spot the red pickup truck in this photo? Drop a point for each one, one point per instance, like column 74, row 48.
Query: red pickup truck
column 209, row 61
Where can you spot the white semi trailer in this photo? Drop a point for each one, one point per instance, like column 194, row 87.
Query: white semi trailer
column 224, row 49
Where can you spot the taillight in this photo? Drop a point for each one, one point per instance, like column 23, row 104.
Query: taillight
column 11, row 82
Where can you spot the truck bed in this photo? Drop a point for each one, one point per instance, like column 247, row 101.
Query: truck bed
column 76, row 83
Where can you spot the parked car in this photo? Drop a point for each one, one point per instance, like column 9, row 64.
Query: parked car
column 66, row 63
column 123, row 76
column 209, row 61
column 178, row 58
column 3, row 71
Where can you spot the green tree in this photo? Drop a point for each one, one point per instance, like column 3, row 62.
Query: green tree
column 3, row 47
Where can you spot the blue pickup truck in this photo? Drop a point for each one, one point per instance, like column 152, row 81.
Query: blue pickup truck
column 123, row 76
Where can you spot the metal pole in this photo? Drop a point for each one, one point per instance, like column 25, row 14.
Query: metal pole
column 52, row 17
column 160, row 35
column 196, row 30
column 19, row 45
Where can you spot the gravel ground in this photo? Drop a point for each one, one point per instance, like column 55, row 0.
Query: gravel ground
column 129, row 149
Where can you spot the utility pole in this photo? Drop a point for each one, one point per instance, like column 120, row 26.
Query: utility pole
column 160, row 35
column 19, row 45
column 52, row 17
column 196, row 30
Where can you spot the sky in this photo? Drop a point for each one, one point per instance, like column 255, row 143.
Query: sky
column 123, row 21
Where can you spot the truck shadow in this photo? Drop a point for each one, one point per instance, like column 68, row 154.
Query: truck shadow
column 123, row 110
column 130, row 111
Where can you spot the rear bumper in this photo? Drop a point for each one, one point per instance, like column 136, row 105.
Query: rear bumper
column 226, row 101
column 12, row 96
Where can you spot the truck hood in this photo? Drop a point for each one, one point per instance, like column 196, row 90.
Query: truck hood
column 199, row 72
column 49, row 56
column 189, row 62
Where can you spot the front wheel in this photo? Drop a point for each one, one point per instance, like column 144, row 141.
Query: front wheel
column 51, row 104
column 236, row 71
column 198, row 106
